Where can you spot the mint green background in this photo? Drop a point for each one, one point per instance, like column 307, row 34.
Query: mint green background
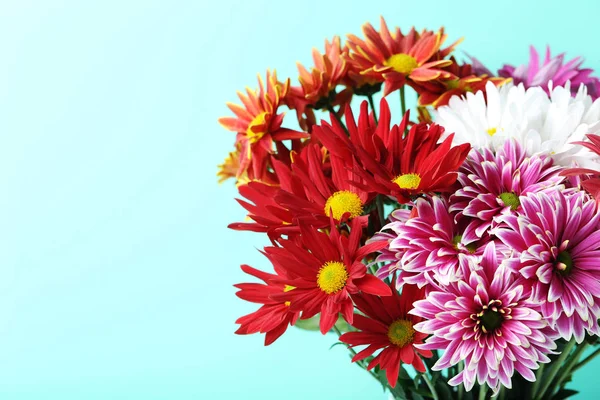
column 116, row 267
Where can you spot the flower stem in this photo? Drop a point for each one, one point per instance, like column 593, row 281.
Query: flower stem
column 482, row 392
column 430, row 386
column 586, row 360
column 554, row 370
column 402, row 101
column 372, row 104
column 461, row 387
column 359, row 363
column 332, row 111
column 538, row 378
column 380, row 211
column 502, row 395
column 373, row 269
column 568, row 368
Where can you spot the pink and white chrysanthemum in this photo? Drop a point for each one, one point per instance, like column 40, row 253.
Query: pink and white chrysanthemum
column 557, row 240
column 430, row 245
column 487, row 320
column 492, row 183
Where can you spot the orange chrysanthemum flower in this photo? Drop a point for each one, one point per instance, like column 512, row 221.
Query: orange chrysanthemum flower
column 257, row 124
column 230, row 167
column 438, row 93
column 318, row 86
column 329, row 71
column 398, row 59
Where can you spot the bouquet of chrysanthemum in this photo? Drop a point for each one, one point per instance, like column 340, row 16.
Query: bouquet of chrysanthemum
column 461, row 250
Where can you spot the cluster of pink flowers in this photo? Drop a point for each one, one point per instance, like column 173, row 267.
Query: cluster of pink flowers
column 509, row 262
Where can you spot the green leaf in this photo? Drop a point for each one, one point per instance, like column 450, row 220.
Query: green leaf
column 337, row 344
column 443, row 389
column 564, row 394
column 398, row 391
column 312, row 324
column 342, row 325
column 403, row 374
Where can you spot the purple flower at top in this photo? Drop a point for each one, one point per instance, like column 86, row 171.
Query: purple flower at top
column 552, row 69
column 492, row 183
column 488, row 321
column 556, row 238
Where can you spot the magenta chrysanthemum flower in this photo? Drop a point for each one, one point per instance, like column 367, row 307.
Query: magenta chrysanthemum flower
column 552, row 69
column 492, row 183
column 430, row 245
column 488, row 321
column 557, row 237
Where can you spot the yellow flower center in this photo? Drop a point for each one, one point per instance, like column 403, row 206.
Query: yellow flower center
column 401, row 332
column 402, row 63
column 452, row 84
column 287, row 288
column 491, row 131
column 343, row 202
column 259, row 120
column 408, row 181
column 332, row 277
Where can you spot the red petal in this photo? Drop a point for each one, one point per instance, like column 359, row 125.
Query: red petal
column 373, row 285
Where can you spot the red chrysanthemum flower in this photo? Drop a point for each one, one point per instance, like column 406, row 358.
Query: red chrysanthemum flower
column 396, row 59
column 259, row 199
column 267, row 216
column 325, row 269
column 438, row 93
column 386, row 325
column 312, row 190
column 273, row 317
column 316, row 197
column 389, row 163
column 257, row 124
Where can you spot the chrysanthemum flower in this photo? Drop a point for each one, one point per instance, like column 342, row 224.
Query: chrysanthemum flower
column 588, row 178
column 438, row 93
column 490, row 185
column 317, row 88
column 273, row 317
column 389, row 163
column 316, row 197
column 541, row 123
column 257, row 123
column 488, row 321
column 386, row 325
column 325, row 269
column 267, row 216
column 430, row 245
column 329, row 71
column 230, row 167
column 557, row 240
column 555, row 70
column 311, row 190
column 394, row 58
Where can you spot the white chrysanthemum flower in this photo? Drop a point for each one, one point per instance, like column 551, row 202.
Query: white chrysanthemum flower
column 541, row 123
